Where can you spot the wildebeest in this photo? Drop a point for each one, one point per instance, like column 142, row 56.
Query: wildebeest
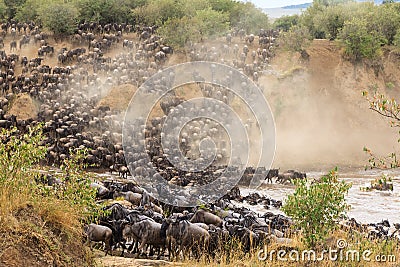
column 202, row 216
column 99, row 233
column 147, row 232
column 184, row 236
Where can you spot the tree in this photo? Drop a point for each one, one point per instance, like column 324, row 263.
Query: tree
column 211, row 23
column 360, row 41
column 286, row 22
column 3, row 10
column 307, row 20
column 386, row 20
column 297, row 39
column 107, row 11
column 331, row 20
column 190, row 8
column 157, row 12
column 177, row 32
column 315, row 207
column 223, row 5
column 11, row 7
column 60, row 18
column 396, row 40
column 30, row 10
column 248, row 17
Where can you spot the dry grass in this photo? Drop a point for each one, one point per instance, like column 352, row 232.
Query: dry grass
column 29, row 239
column 23, row 107
column 118, row 97
column 37, row 228
column 355, row 241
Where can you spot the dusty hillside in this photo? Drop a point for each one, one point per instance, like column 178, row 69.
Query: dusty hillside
column 24, row 107
column 321, row 117
column 118, row 98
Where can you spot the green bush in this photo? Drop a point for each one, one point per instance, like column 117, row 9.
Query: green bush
column 19, row 158
column 59, row 18
column 297, row 39
column 107, row 11
column 286, row 22
column 179, row 31
column 204, row 24
column 38, row 219
column 359, row 41
column 30, row 10
column 331, row 2
column 211, row 23
column 307, row 20
column 157, row 12
column 331, row 20
column 249, row 18
column 316, row 207
column 386, row 20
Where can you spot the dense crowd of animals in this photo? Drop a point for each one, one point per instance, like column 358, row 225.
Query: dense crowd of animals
column 68, row 95
column 138, row 224
column 143, row 226
column 69, row 92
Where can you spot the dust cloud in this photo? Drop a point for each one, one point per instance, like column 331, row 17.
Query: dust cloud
column 322, row 119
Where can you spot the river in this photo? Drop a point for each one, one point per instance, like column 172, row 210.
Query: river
column 366, row 207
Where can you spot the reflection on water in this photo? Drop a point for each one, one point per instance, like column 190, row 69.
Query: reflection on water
column 366, row 207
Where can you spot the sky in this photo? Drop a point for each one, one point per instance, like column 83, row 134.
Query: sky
column 277, row 3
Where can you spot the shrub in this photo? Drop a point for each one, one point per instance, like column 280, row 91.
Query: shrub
column 249, row 18
column 37, row 219
column 307, row 20
column 179, row 31
column 331, row 20
column 59, row 18
column 297, row 39
column 360, row 41
column 386, row 20
column 316, row 207
column 211, row 23
column 286, row 22
column 389, row 109
column 18, row 153
column 107, row 11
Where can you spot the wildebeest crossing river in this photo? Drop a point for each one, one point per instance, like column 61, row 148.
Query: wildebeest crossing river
column 366, row 206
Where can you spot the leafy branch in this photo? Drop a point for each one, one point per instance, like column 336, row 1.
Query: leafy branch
column 388, row 108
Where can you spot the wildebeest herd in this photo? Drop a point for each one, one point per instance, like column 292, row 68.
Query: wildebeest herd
column 141, row 226
column 67, row 95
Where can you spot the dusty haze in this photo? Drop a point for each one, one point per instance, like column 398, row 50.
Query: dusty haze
column 321, row 117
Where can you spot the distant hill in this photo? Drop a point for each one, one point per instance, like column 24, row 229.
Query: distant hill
column 305, row 5
column 278, row 12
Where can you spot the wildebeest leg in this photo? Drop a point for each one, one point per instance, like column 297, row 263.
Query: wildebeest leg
column 123, row 248
column 151, row 252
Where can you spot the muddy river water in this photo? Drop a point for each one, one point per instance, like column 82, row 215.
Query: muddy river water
column 366, row 207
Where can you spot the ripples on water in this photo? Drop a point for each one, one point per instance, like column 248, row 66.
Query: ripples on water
column 366, row 207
